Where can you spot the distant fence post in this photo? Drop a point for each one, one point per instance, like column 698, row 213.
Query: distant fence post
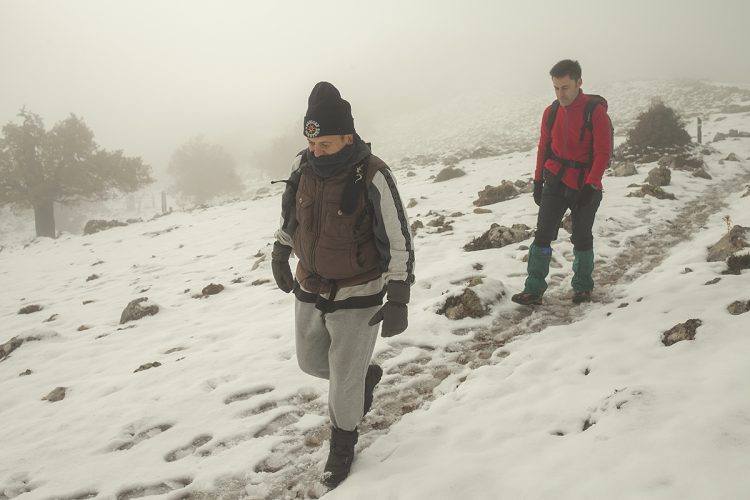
column 700, row 134
column 163, row 202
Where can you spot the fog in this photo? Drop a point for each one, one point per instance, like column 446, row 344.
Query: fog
column 148, row 75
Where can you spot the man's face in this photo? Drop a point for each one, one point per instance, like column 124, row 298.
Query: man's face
column 566, row 89
column 328, row 144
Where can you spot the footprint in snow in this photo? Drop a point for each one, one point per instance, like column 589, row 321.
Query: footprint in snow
column 188, row 449
column 166, row 486
column 135, row 437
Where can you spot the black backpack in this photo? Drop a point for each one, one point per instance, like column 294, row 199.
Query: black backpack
column 593, row 101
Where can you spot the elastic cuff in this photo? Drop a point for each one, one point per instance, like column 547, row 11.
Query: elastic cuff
column 398, row 291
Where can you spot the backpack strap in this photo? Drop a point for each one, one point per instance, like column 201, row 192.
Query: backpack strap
column 549, row 124
column 588, row 110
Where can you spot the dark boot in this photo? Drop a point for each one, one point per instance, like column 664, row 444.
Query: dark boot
column 527, row 299
column 581, row 297
column 374, row 374
column 340, row 456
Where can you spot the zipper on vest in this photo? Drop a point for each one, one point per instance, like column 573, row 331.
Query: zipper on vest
column 317, row 208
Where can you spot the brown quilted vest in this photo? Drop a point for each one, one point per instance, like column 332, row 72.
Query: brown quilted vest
column 334, row 249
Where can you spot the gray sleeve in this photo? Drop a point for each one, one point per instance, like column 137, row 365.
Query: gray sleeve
column 288, row 204
column 391, row 226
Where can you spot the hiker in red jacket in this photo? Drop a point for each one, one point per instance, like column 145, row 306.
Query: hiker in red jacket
column 575, row 147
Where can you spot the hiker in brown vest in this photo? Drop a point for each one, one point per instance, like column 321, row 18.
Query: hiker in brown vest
column 343, row 217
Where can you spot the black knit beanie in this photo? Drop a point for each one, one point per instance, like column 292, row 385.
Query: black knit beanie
column 327, row 113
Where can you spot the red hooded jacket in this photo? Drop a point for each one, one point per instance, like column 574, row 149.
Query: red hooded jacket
column 565, row 142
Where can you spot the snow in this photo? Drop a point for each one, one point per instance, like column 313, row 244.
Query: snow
column 491, row 407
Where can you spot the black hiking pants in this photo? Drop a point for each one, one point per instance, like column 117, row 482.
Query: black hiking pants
column 557, row 198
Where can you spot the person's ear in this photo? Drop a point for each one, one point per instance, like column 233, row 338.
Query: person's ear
column 349, row 139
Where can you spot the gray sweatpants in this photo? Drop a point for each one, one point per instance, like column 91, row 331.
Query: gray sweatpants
column 338, row 348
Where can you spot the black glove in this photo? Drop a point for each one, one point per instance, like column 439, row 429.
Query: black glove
column 282, row 273
column 585, row 195
column 394, row 314
column 538, row 185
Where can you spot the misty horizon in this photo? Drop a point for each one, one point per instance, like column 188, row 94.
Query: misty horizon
column 147, row 77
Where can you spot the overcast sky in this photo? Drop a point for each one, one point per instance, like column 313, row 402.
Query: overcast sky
column 147, row 75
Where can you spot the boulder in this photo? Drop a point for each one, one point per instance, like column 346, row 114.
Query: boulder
column 733, row 241
column 499, row 236
column 624, row 169
column 739, row 307
column 96, row 225
column 701, row 173
column 135, row 311
column 680, row 332
column 212, row 289
column 659, row 176
column 31, row 308
column 57, row 394
column 655, row 191
column 495, row 194
column 449, row 173
column 466, row 305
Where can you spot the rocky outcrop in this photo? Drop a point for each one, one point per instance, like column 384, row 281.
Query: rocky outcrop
column 135, row 311
column 655, row 191
column 680, row 332
column 659, row 176
column 31, row 308
column 449, row 173
column 733, row 241
column 499, row 236
column 739, row 307
column 624, row 169
column 96, row 225
column 495, row 194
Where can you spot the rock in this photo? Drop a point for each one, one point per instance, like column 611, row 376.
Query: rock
column 487, row 210
column 30, row 309
column 259, row 282
column 92, row 277
column 417, row 224
column 702, row 174
column 687, row 162
column 739, row 307
column 410, row 173
column 96, row 225
column 449, row 173
column 57, row 394
column 680, row 332
column 10, row 346
column 712, row 282
column 731, row 157
column 719, row 137
column 625, row 169
column 238, row 280
column 733, row 241
column 499, row 236
column 147, row 366
column 655, row 191
column 83, row 328
column 25, row 373
column 736, row 263
column 212, row 289
column 495, row 194
column 466, row 305
column 659, row 176
column 135, row 311
column 412, row 203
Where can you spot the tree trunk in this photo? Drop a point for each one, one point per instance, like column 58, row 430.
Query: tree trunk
column 44, row 217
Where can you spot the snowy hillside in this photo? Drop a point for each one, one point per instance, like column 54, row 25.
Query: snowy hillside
column 204, row 399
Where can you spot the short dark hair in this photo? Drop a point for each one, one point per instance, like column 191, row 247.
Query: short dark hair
column 566, row 67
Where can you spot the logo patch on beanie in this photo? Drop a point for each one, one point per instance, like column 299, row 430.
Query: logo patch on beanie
column 312, row 128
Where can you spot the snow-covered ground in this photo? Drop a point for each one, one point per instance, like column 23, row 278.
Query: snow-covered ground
column 561, row 402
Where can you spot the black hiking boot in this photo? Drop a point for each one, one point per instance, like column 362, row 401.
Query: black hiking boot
column 340, row 457
column 527, row 299
column 580, row 297
column 374, row 374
